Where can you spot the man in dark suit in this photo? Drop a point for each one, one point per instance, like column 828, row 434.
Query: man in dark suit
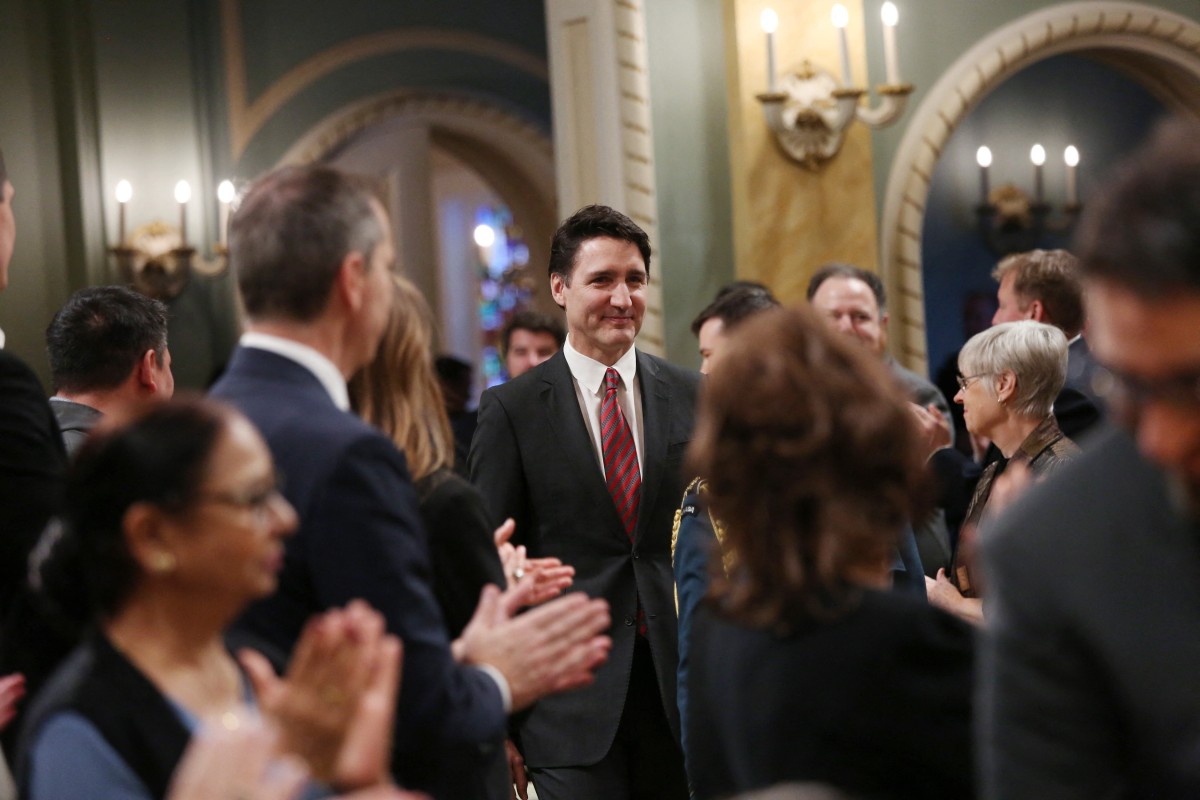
column 584, row 452
column 108, row 353
column 1088, row 682
column 1044, row 285
column 32, row 460
column 313, row 256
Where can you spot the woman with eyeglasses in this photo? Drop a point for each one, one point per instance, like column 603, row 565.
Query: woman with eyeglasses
column 1008, row 378
column 172, row 526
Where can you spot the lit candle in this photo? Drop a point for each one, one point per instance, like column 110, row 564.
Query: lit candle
column 1071, row 156
column 124, row 194
column 983, row 157
column 183, row 193
column 891, row 16
column 1037, row 154
column 840, row 19
column 770, row 21
column 225, row 195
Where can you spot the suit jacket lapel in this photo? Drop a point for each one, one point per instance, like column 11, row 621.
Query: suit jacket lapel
column 656, row 405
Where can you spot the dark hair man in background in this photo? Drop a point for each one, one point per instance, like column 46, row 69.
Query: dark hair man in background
column 734, row 302
column 1088, row 678
column 584, row 452
column 529, row 338
column 108, row 353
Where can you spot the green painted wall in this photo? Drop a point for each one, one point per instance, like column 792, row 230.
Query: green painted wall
column 687, row 94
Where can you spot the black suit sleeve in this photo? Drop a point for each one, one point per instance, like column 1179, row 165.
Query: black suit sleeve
column 462, row 546
column 32, row 469
column 495, row 466
column 373, row 546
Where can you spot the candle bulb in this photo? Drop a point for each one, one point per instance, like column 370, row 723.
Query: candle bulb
column 891, row 16
column 1071, row 157
column 225, row 195
column 1037, row 154
column 183, row 193
column 124, row 193
column 770, row 21
column 841, row 17
column 983, row 157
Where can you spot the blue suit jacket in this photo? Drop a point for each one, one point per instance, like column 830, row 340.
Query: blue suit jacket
column 360, row 537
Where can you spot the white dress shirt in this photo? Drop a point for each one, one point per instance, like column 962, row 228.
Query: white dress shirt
column 321, row 367
column 588, row 375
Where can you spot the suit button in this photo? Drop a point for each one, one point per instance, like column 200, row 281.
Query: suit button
column 635, row 555
column 628, row 620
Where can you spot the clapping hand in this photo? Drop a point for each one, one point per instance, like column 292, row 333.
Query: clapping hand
column 546, row 578
column 335, row 707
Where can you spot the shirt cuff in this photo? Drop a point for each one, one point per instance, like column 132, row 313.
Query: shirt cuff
column 501, row 684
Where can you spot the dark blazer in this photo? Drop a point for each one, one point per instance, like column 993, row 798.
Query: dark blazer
column 33, row 466
column 360, row 537
column 876, row 702
column 533, row 460
column 461, row 545
column 1088, row 683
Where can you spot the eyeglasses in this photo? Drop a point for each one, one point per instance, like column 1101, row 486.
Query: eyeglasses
column 965, row 381
column 257, row 501
column 1131, row 392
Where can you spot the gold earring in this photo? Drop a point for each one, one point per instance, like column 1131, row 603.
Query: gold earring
column 163, row 562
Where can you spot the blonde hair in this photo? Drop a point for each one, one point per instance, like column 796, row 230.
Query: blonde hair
column 398, row 391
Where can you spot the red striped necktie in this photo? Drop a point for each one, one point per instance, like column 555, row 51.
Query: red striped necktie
column 621, row 471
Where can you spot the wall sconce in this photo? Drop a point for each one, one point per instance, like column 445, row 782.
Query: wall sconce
column 809, row 111
column 156, row 259
column 1010, row 221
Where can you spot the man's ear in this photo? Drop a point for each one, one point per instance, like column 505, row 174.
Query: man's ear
column 350, row 285
column 557, row 284
column 146, row 372
column 1036, row 311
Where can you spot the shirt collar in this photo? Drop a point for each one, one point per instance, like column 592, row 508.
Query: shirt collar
column 590, row 373
column 320, row 366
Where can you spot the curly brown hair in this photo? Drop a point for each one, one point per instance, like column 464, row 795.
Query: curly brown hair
column 813, row 466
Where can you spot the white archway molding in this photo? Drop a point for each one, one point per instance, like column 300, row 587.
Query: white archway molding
column 393, row 136
column 1149, row 40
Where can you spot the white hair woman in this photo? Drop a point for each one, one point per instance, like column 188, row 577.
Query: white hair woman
column 1008, row 378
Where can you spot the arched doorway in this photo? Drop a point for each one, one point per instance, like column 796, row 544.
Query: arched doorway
column 434, row 154
column 1155, row 47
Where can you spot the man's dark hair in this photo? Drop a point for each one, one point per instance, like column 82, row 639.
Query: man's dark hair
column 290, row 235
column 839, row 270
column 593, row 222
column 1143, row 230
column 534, row 322
column 100, row 335
column 735, row 302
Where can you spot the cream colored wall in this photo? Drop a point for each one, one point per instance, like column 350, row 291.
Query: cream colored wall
column 788, row 221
